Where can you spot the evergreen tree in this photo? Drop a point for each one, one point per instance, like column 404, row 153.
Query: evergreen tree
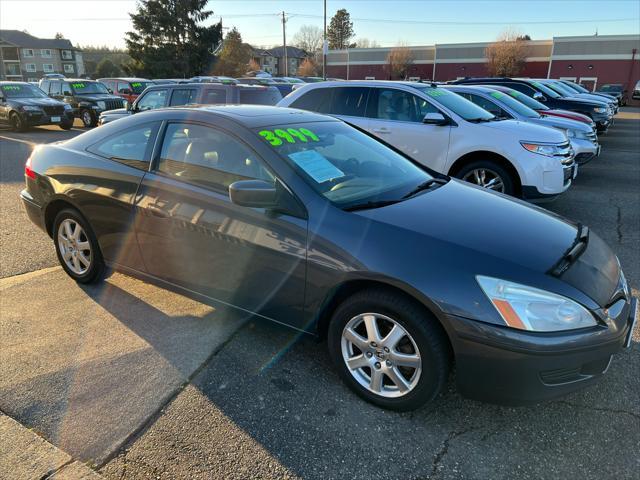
column 169, row 39
column 235, row 56
column 340, row 30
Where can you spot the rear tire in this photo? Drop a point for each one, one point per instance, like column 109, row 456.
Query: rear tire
column 488, row 174
column 408, row 363
column 77, row 247
column 88, row 118
column 17, row 123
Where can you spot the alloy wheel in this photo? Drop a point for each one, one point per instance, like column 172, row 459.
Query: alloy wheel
column 87, row 119
column 381, row 355
column 74, row 246
column 485, row 177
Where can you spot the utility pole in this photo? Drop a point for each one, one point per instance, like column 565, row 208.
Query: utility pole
column 324, row 44
column 284, row 43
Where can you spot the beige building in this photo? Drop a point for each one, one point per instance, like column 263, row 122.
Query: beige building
column 24, row 57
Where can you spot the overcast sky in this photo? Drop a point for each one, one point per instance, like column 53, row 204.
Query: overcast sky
column 413, row 22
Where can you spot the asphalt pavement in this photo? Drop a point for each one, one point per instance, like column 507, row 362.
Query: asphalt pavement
column 142, row 383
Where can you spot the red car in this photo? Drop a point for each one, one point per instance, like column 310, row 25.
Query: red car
column 541, row 108
column 127, row 88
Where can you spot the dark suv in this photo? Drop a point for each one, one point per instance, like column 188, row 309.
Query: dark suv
column 173, row 95
column 23, row 105
column 599, row 112
column 127, row 88
column 88, row 98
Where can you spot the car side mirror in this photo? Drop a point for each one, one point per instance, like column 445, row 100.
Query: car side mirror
column 435, row 118
column 540, row 97
column 109, row 90
column 253, row 193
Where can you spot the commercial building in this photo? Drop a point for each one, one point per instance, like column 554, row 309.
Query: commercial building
column 24, row 57
column 591, row 60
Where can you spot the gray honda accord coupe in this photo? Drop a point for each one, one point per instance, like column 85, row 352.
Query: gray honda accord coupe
column 305, row 220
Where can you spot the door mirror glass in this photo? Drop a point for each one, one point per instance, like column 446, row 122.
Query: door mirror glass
column 253, row 193
column 540, row 97
column 434, row 118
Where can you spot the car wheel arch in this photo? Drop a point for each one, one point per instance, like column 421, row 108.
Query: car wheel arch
column 55, row 206
column 470, row 157
column 341, row 292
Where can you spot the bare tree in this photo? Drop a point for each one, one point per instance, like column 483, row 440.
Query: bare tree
column 308, row 68
column 506, row 56
column 400, row 59
column 366, row 43
column 309, row 39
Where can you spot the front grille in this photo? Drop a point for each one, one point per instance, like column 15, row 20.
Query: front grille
column 112, row 104
column 584, row 157
column 592, row 136
column 565, row 154
column 53, row 110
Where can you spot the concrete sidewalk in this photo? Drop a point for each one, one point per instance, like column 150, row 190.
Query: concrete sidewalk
column 24, row 455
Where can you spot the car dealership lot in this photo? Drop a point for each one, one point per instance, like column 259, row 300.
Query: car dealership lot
column 144, row 383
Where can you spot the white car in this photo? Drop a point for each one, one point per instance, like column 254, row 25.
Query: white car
column 450, row 134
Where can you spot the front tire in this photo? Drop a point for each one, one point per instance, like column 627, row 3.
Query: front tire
column 17, row 123
column 88, row 118
column 66, row 125
column 490, row 175
column 77, row 248
column 389, row 350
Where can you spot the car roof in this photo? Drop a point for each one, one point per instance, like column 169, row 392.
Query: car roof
column 66, row 79
column 5, row 82
column 252, row 116
column 127, row 79
column 477, row 88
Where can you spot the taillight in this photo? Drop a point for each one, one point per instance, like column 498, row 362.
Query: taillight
column 28, row 171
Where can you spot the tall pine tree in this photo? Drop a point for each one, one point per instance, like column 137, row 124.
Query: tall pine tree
column 169, row 39
column 340, row 30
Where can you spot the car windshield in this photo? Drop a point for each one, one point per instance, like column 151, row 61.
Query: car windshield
column 82, row 87
column 18, row 90
column 546, row 90
column 514, row 104
column 576, row 87
column 344, row 165
column 260, row 95
column 611, row 88
column 138, row 87
column 525, row 99
column 561, row 89
column 454, row 102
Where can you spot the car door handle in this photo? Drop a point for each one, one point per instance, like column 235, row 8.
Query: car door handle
column 381, row 130
column 157, row 212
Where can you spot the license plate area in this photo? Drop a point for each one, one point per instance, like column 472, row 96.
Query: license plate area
column 55, row 119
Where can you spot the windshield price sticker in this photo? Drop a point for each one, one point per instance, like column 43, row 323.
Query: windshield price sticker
column 12, row 87
column 136, row 84
column 316, row 166
column 291, row 135
column 514, row 94
column 435, row 92
column 496, row 94
column 78, row 85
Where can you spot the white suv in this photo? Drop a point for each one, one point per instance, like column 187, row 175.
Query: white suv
column 450, row 134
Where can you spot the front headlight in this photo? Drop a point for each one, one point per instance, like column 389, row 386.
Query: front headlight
column 541, row 148
column 600, row 109
column 30, row 108
column 528, row 308
column 579, row 134
column 101, row 105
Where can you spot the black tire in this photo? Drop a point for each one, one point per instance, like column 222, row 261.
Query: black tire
column 508, row 181
column 96, row 270
column 425, row 331
column 67, row 125
column 88, row 117
column 17, row 123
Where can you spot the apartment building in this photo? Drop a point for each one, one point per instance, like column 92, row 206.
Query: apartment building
column 24, row 57
column 272, row 60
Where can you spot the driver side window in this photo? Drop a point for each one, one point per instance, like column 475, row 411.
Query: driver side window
column 486, row 104
column 152, row 100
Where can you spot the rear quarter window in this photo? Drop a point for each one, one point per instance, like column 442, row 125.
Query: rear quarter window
column 315, row 100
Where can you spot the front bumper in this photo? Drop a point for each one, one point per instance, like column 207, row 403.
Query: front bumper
column 40, row 118
column 514, row 367
column 585, row 150
column 603, row 122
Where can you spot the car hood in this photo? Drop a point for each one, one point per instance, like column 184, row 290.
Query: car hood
column 95, row 97
column 40, row 102
column 118, row 112
column 511, row 231
column 561, row 122
column 526, row 131
column 557, row 111
column 590, row 98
